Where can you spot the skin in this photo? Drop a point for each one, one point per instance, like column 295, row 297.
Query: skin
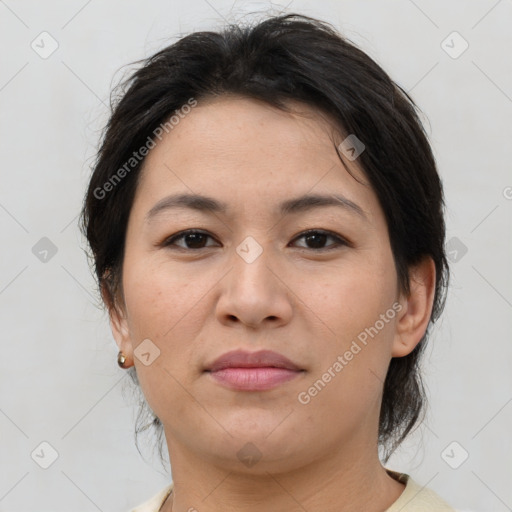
column 295, row 298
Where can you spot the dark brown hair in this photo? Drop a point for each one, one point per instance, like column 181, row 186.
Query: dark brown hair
column 287, row 57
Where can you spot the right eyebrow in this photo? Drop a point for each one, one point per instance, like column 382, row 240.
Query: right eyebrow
column 192, row 201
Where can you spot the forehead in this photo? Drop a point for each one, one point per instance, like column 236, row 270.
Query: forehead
column 247, row 128
column 235, row 146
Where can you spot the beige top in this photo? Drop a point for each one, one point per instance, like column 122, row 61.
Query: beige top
column 414, row 498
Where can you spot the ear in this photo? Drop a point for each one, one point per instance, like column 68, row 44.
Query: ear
column 413, row 319
column 119, row 326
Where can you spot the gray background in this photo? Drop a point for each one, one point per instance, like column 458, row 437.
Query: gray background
column 59, row 381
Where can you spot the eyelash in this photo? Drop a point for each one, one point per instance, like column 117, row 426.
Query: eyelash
column 168, row 242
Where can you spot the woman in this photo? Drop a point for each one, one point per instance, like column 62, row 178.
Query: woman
column 266, row 222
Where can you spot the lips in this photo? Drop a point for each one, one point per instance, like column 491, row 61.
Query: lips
column 260, row 359
column 252, row 371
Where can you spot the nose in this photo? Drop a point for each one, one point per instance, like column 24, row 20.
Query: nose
column 254, row 293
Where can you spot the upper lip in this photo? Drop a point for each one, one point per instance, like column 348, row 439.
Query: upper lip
column 243, row 359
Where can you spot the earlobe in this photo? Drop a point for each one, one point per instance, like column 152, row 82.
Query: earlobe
column 121, row 334
column 119, row 327
column 413, row 320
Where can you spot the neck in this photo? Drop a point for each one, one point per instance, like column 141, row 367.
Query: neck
column 335, row 483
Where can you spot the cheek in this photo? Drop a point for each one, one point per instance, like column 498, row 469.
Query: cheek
column 165, row 307
column 160, row 299
column 351, row 305
column 356, row 295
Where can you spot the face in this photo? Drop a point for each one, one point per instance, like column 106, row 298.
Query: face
column 252, row 278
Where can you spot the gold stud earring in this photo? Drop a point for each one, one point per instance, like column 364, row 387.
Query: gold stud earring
column 121, row 359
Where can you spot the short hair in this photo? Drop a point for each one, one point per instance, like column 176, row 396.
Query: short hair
column 283, row 58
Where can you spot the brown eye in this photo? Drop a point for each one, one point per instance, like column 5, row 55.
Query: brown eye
column 191, row 238
column 315, row 239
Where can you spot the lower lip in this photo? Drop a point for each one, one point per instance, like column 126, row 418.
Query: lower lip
column 253, row 379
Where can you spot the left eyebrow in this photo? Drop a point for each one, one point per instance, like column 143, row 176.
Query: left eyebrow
column 291, row 206
column 310, row 201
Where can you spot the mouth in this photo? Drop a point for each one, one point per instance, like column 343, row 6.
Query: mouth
column 254, row 379
column 253, row 371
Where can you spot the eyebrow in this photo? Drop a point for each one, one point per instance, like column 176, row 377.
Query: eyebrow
column 297, row 205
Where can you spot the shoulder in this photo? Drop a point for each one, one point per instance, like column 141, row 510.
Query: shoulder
column 154, row 503
column 417, row 498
